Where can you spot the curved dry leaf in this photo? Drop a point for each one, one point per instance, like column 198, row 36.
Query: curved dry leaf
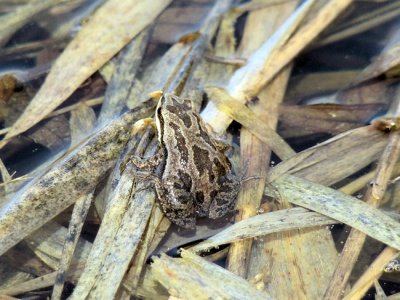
column 111, row 27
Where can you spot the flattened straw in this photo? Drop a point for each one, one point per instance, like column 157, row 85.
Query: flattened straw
column 373, row 197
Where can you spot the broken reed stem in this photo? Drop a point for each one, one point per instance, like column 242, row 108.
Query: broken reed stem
column 356, row 238
column 298, row 42
column 373, row 272
column 255, row 154
column 248, row 80
column 132, row 277
column 78, row 217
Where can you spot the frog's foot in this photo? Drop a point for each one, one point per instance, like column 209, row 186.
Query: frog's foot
column 147, row 179
column 142, row 164
column 242, row 176
column 148, row 163
column 244, row 179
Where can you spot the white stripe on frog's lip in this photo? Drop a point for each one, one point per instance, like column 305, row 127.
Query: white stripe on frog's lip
column 157, row 117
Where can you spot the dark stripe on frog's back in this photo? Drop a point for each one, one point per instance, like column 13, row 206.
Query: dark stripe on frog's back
column 182, row 115
column 180, row 142
column 202, row 161
column 186, row 180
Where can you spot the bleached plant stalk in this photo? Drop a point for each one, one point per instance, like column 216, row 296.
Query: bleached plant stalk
column 255, row 153
column 242, row 84
column 373, row 197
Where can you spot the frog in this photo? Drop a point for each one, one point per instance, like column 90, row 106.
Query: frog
column 191, row 173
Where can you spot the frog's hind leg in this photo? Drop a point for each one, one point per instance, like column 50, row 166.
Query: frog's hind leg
column 177, row 204
column 224, row 201
column 180, row 217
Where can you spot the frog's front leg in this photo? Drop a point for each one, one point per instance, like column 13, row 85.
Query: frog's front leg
column 148, row 163
column 143, row 164
column 224, row 201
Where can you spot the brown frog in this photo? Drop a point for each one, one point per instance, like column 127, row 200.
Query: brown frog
column 194, row 177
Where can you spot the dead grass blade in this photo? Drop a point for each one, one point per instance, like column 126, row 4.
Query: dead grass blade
column 47, row 244
column 119, row 203
column 303, row 37
column 78, row 217
column 387, row 62
column 124, row 77
column 303, row 120
column 153, row 79
column 107, row 31
column 81, row 123
column 256, row 154
column 246, row 117
column 192, row 277
column 247, row 81
column 336, row 155
column 75, row 175
column 373, row 197
column 121, row 251
column 338, row 206
column 280, row 220
column 152, row 236
column 366, row 21
column 12, row 21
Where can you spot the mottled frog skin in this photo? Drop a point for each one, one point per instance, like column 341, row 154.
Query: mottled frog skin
column 194, row 177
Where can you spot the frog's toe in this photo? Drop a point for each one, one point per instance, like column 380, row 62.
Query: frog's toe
column 220, row 208
column 181, row 217
column 188, row 222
